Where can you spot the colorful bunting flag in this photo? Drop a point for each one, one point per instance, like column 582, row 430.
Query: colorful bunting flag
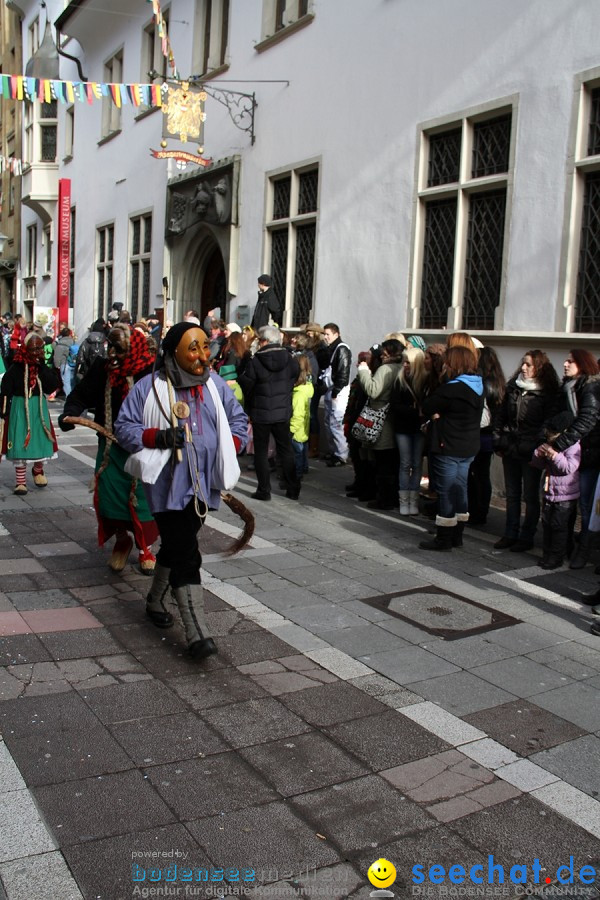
column 18, row 87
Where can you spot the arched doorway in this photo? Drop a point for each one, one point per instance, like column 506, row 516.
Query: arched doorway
column 214, row 285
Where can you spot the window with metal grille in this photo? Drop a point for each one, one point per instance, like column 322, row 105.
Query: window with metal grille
column 291, row 240
column 483, row 274
column 438, row 263
column 139, row 265
column 305, row 268
column 594, row 128
column 587, row 308
column 444, row 157
column 461, row 233
column 491, row 146
column 308, row 184
column 105, row 241
column 281, row 198
column 48, row 131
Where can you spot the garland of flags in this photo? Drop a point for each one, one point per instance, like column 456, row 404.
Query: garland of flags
column 161, row 27
column 19, row 87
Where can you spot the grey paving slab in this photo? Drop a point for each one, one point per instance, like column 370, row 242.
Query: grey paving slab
column 334, row 882
column 34, row 715
column 308, row 575
column 361, row 640
column 399, row 740
column 323, row 617
column 366, row 611
column 524, row 727
column 23, row 566
column 289, row 596
column 50, row 757
column 255, row 721
column 298, row 637
column 240, row 650
column 303, row 763
column 22, row 832
column 572, row 803
column 576, row 702
column 468, row 652
column 332, row 703
column 87, row 860
column 217, row 688
column 55, row 548
column 10, row 777
column 42, row 877
column 362, row 813
column 53, row 599
column 407, row 631
column 80, row 644
column 282, row 842
column 524, row 638
column 385, row 690
column 410, row 664
column 218, row 784
column 337, row 589
column 98, row 807
column 576, row 762
column 521, row 676
column 462, row 692
column 569, row 650
column 164, row 739
column 125, row 702
column 384, row 582
column 514, row 827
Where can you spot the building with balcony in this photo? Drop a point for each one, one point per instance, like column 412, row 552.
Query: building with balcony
column 422, row 167
column 11, row 60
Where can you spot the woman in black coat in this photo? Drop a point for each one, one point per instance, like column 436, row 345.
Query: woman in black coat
column 580, row 396
column 531, row 397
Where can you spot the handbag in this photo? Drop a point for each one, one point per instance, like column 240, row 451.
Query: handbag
column 369, row 424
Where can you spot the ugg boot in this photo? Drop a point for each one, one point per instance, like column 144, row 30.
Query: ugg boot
column 457, row 534
column 155, row 601
column 413, row 503
column 443, row 538
column 121, row 550
column 404, row 503
column 190, row 601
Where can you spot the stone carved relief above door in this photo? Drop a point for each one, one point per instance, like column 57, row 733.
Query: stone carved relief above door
column 206, row 200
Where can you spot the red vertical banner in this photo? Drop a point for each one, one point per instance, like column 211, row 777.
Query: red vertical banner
column 64, row 247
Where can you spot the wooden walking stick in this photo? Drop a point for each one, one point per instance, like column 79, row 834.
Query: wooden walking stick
column 89, row 423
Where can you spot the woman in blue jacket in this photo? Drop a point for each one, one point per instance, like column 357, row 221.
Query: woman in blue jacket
column 454, row 411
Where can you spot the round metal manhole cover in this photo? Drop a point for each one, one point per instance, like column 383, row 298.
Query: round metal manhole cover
column 430, row 609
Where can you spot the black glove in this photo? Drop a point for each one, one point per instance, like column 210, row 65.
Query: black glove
column 64, row 426
column 170, row 437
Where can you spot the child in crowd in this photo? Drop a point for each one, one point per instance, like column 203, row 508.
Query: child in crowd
column 300, row 421
column 561, row 491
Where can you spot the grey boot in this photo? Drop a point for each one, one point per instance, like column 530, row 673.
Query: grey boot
column 403, row 496
column 155, row 601
column 413, row 503
column 190, row 601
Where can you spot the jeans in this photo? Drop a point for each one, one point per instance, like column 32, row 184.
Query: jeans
column 285, row 454
column 521, row 480
column 587, row 489
column 410, row 448
column 300, row 457
column 451, row 473
column 558, row 520
column 333, row 421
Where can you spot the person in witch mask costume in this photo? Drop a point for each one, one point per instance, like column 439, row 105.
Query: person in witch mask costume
column 179, row 424
column 119, row 501
column 27, row 432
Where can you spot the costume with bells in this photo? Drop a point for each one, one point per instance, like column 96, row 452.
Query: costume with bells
column 119, row 500
column 180, row 425
column 27, row 432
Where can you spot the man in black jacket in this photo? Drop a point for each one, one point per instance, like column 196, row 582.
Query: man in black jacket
column 268, row 304
column 267, row 380
column 336, row 396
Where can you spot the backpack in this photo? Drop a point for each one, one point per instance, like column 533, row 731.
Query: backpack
column 88, row 352
column 72, row 356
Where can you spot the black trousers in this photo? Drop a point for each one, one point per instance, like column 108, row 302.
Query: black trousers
column 179, row 549
column 479, row 486
column 558, row 521
column 285, row 454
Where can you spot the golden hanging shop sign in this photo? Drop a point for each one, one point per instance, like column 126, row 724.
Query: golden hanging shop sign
column 183, row 109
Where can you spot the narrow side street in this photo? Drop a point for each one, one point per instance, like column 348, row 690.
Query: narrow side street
column 368, row 700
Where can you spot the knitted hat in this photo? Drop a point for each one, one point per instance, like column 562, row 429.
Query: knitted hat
column 233, row 327
column 228, row 373
column 417, row 341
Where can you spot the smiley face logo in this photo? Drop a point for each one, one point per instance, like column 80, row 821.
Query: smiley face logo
column 381, row 873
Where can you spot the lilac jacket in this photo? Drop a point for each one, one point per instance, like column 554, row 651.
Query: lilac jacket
column 562, row 474
column 174, row 486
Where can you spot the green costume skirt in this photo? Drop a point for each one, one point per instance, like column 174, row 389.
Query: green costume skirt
column 39, row 446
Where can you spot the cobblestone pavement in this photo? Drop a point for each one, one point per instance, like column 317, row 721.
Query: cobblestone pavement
column 368, row 700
